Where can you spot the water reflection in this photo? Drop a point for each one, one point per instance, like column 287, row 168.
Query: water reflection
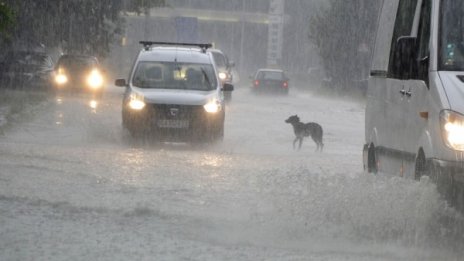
column 93, row 104
column 59, row 119
column 59, row 113
column 134, row 164
column 211, row 161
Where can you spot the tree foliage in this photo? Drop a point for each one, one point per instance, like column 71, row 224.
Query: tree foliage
column 142, row 6
column 84, row 26
column 344, row 33
column 6, row 17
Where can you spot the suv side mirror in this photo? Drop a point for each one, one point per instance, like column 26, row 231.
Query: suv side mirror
column 227, row 87
column 403, row 58
column 231, row 64
column 120, row 83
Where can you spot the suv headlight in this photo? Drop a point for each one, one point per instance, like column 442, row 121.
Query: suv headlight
column 136, row 102
column 452, row 127
column 213, row 106
column 95, row 79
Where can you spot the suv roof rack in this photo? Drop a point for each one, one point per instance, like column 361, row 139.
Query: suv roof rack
column 148, row 44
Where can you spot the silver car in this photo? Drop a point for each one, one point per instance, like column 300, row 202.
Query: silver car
column 174, row 93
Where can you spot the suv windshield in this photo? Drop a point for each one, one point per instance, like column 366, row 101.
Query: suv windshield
column 452, row 36
column 172, row 75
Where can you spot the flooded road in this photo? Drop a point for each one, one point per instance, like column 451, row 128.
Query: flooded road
column 74, row 186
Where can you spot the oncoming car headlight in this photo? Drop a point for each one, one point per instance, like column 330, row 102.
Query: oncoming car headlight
column 452, row 127
column 95, row 79
column 136, row 102
column 213, row 106
column 60, row 77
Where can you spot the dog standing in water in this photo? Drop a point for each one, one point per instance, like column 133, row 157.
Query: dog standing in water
column 302, row 130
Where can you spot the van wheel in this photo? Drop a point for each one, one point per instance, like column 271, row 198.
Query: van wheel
column 421, row 168
column 371, row 160
column 425, row 168
column 443, row 179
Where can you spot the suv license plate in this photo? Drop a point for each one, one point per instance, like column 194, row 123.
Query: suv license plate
column 175, row 124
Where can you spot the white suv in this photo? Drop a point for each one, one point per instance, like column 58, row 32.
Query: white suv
column 173, row 93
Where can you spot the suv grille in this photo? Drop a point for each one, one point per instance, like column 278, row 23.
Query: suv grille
column 177, row 112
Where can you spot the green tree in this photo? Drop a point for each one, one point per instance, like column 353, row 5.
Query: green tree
column 6, row 18
column 142, row 6
column 84, row 26
column 344, row 34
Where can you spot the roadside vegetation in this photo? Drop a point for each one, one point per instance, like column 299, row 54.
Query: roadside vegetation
column 85, row 26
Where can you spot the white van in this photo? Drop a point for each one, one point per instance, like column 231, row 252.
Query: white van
column 415, row 99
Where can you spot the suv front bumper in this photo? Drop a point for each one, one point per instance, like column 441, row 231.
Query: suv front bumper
column 191, row 121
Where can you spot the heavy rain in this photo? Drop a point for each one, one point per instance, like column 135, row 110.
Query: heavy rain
column 218, row 169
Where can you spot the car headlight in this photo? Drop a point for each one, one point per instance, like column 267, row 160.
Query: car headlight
column 213, row 106
column 95, row 79
column 222, row 76
column 452, row 127
column 136, row 102
column 61, row 78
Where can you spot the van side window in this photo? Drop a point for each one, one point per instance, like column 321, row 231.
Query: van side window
column 403, row 26
column 423, row 42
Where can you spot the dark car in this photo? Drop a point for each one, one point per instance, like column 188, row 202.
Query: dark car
column 223, row 65
column 26, row 69
column 270, row 80
column 79, row 73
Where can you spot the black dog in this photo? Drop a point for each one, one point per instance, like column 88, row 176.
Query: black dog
column 302, row 130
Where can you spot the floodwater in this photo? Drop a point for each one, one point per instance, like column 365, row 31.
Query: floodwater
column 75, row 186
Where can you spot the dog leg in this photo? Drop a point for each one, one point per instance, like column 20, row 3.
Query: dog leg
column 294, row 142
column 301, row 142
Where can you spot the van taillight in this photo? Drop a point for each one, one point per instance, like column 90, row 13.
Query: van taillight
column 285, row 84
column 256, row 83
